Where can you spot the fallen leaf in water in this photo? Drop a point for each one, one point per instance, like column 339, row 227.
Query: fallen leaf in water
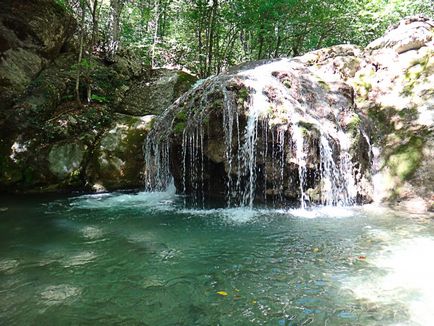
column 361, row 257
column 223, row 293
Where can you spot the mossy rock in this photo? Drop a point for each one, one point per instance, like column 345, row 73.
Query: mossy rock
column 118, row 159
column 404, row 161
column 65, row 159
column 153, row 96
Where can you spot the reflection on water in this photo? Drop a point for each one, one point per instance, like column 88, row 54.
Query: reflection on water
column 58, row 294
column 144, row 258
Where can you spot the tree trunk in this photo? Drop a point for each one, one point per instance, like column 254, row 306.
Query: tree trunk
column 80, row 53
column 155, row 36
column 113, row 29
column 212, row 24
column 95, row 14
column 261, row 42
column 278, row 42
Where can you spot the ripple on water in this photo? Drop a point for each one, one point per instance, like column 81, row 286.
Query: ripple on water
column 81, row 258
column 92, row 232
column 8, row 265
column 59, row 294
column 233, row 216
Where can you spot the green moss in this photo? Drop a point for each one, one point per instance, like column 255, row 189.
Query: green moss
column 287, row 83
column 324, row 85
column 306, row 125
column 304, row 131
column 405, row 160
column 362, row 85
column 355, row 122
column 179, row 128
column 415, row 72
column 184, row 82
column 181, row 116
column 354, row 125
column 28, row 175
column 243, row 94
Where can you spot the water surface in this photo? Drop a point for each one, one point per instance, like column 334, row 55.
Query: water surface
column 145, row 259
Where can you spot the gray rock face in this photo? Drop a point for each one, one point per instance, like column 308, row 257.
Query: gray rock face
column 31, row 34
column 117, row 160
column 153, row 96
column 99, row 159
column 394, row 87
column 47, row 141
column 66, row 159
column 411, row 33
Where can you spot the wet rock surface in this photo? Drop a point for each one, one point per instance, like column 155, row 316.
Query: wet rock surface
column 278, row 130
column 378, row 101
column 394, row 88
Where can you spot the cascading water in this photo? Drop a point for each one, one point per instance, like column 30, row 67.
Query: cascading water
column 276, row 144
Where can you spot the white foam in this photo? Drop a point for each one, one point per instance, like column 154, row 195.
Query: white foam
column 156, row 200
column 323, row 212
column 236, row 215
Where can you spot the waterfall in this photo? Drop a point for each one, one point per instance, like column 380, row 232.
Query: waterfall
column 271, row 134
column 297, row 135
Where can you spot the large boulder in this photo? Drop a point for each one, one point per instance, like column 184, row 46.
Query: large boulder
column 117, row 160
column 31, row 34
column 77, row 151
column 395, row 88
column 153, row 95
column 282, row 130
column 411, row 33
column 379, row 100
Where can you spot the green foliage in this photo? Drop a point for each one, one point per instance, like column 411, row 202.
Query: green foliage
column 206, row 36
column 99, row 98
